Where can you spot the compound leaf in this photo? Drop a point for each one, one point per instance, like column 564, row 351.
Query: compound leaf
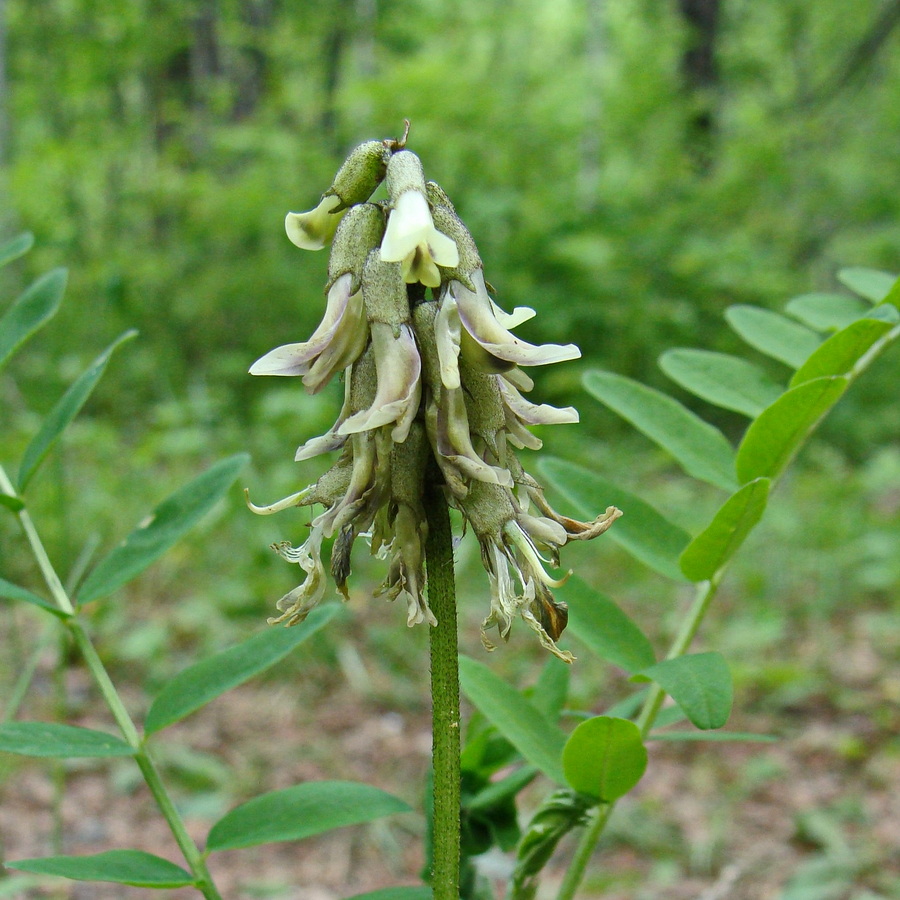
column 605, row 758
column 720, row 540
column 772, row 440
column 827, row 312
column 840, row 353
column 132, row 867
column 726, row 381
column 300, row 812
column 701, row 450
column 31, row 310
column 773, row 334
column 169, row 522
column 49, row 739
column 699, row 683
column 607, row 631
column 869, row 283
column 209, row 678
column 15, row 248
column 531, row 733
column 64, row 412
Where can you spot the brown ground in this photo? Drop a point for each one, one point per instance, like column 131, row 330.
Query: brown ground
column 708, row 821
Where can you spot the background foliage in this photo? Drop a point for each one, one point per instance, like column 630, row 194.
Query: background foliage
column 629, row 169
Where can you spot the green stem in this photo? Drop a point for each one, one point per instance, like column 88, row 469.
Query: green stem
column 444, row 699
column 585, row 849
column 144, row 760
column 706, row 591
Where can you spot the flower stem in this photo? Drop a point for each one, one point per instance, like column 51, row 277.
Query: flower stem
column 444, row 698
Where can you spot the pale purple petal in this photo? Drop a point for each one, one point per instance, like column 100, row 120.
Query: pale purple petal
column 296, row 359
column 398, row 366
column 534, row 413
column 477, row 316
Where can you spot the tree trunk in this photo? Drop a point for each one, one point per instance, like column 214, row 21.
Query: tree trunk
column 700, row 71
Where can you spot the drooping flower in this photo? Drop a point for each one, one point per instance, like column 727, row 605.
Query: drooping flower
column 427, row 380
column 356, row 180
column 411, row 237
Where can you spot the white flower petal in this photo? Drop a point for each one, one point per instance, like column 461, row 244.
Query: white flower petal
column 477, row 316
column 314, row 229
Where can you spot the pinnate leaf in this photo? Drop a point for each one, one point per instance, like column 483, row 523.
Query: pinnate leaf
column 132, row 867
column 13, row 592
column 827, row 312
column 643, row 532
column 773, row 334
column 16, row 247
column 720, row 540
column 209, row 678
column 701, row 450
column 49, row 739
column 169, row 522
column 842, row 351
column 726, row 381
column 869, row 283
column 608, row 632
column 532, row 734
column 772, row 440
column 31, row 310
column 699, row 683
column 64, row 412
column 300, row 812
column 605, row 758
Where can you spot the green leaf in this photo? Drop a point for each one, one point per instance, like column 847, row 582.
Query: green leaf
column 396, row 893
column 827, row 312
column 605, row 758
column 773, row 334
column 643, row 532
column 14, row 504
column 868, row 283
column 209, row 678
column 699, row 683
column 31, row 310
column 300, row 812
column 772, row 440
column 720, row 540
column 537, row 739
column 132, row 867
column 842, row 351
column 64, row 412
column 13, row 592
column 608, row 632
column 169, row 522
column 744, row 736
column 701, row 450
column 15, row 248
column 552, row 688
column 59, row 741
column 726, row 381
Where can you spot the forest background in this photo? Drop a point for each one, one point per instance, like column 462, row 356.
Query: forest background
column 629, row 169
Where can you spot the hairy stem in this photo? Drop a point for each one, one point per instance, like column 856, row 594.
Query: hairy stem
column 444, row 698
column 144, row 760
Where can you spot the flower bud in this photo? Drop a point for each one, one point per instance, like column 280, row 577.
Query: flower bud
column 360, row 232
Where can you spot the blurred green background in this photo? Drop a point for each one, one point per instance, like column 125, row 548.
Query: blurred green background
column 628, row 168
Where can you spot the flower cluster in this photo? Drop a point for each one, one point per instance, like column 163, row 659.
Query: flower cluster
column 428, row 375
